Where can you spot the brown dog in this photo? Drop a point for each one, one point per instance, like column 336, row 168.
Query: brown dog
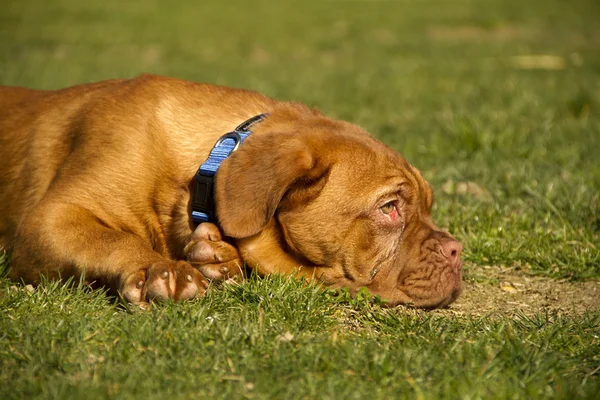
column 95, row 180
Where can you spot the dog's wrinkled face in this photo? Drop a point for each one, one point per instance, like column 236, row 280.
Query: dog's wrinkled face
column 378, row 230
column 337, row 198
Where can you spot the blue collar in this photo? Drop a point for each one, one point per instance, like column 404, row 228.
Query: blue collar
column 203, row 201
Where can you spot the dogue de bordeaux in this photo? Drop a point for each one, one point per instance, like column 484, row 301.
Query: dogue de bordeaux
column 98, row 180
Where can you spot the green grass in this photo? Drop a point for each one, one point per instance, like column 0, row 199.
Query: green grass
column 437, row 80
column 275, row 338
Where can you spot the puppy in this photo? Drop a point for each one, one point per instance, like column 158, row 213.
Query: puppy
column 100, row 180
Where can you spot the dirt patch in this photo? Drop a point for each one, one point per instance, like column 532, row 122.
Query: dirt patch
column 504, row 291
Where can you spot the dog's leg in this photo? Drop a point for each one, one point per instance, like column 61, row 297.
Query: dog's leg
column 214, row 257
column 64, row 240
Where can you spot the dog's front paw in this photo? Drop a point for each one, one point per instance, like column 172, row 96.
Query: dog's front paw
column 176, row 280
column 215, row 258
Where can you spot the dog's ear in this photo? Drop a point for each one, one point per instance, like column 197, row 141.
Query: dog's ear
column 252, row 181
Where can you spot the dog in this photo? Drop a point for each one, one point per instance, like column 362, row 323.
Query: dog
column 97, row 182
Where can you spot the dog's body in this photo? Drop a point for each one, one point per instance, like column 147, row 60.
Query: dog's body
column 96, row 179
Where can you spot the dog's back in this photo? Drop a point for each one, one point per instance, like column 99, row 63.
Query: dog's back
column 11, row 96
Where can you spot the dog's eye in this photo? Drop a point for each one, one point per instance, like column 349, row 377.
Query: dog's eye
column 388, row 208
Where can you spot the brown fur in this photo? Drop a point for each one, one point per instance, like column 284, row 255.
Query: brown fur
column 96, row 178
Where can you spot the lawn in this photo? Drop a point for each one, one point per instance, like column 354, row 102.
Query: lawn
column 497, row 102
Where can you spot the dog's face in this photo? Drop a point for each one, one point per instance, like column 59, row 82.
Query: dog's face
column 332, row 196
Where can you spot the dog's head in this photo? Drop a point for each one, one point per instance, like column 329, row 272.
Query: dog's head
column 324, row 193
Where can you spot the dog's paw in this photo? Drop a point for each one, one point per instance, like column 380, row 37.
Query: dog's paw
column 176, row 280
column 211, row 255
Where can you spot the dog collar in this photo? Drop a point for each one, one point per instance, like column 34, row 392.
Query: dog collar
column 203, row 201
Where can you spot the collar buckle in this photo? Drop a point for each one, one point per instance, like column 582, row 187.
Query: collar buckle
column 235, row 136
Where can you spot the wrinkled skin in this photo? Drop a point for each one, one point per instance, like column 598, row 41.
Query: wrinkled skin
column 95, row 182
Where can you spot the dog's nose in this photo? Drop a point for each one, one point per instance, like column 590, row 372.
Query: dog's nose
column 451, row 250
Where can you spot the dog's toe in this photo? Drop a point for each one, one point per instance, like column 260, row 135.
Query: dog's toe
column 133, row 288
column 207, row 231
column 225, row 271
